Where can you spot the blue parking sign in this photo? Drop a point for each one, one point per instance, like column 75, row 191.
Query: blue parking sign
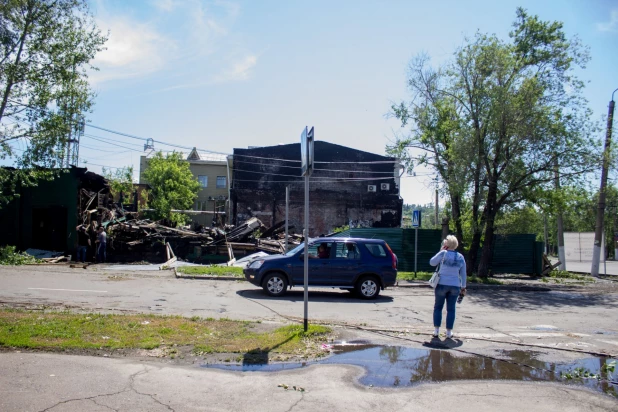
column 416, row 218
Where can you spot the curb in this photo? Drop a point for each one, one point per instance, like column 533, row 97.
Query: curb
column 477, row 286
column 473, row 286
column 198, row 277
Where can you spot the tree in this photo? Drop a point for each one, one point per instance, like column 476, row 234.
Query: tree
column 45, row 51
column 173, row 186
column 120, row 181
column 519, row 112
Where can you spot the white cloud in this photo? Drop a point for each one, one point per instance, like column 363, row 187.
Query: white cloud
column 612, row 25
column 239, row 71
column 199, row 49
column 164, row 5
column 133, row 49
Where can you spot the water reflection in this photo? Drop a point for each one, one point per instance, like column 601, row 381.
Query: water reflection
column 397, row 366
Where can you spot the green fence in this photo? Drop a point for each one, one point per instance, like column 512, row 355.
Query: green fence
column 518, row 253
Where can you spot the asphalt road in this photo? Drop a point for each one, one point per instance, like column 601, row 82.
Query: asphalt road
column 63, row 383
column 579, row 319
column 554, row 324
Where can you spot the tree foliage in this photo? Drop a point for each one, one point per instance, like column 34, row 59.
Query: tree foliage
column 496, row 120
column 45, row 51
column 173, row 186
column 120, row 181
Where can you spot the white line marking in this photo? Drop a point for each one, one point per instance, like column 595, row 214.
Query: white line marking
column 70, row 290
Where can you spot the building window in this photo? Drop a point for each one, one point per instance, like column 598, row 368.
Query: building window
column 203, row 181
column 221, row 182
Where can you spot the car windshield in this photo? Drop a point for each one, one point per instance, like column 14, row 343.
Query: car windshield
column 296, row 250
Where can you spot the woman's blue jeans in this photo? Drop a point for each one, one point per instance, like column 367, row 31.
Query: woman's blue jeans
column 448, row 294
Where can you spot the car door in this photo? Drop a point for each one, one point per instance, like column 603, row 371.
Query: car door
column 319, row 268
column 346, row 263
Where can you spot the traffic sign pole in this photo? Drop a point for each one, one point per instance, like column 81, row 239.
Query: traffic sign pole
column 416, row 223
column 306, row 156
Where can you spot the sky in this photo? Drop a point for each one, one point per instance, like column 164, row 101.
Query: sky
column 221, row 75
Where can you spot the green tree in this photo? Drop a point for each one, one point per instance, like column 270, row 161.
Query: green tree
column 519, row 112
column 120, row 181
column 45, row 51
column 173, row 186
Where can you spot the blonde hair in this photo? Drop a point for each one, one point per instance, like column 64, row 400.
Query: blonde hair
column 451, row 242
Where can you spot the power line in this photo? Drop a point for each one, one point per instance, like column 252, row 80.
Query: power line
column 114, row 144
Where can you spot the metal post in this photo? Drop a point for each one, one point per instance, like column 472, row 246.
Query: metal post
column 415, row 248
column 545, row 234
column 598, row 233
column 559, row 222
column 287, row 203
column 436, row 208
column 306, row 255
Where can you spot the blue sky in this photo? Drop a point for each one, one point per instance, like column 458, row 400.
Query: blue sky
column 225, row 74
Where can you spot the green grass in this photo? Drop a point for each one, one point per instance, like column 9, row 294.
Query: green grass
column 484, row 281
column 563, row 274
column 425, row 276
column 410, row 275
column 64, row 330
column 211, row 270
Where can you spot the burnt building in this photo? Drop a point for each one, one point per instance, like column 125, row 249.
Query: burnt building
column 347, row 187
column 45, row 216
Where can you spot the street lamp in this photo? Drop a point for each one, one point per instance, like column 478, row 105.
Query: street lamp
column 598, row 233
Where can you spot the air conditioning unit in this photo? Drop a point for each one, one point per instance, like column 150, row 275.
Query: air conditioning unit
column 372, row 188
column 385, row 186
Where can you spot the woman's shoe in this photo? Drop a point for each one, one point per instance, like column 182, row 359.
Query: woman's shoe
column 436, row 332
column 449, row 334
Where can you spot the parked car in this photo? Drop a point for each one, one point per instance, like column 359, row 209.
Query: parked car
column 364, row 266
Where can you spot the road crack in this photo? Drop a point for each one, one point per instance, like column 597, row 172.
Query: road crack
column 132, row 386
column 87, row 398
column 302, row 397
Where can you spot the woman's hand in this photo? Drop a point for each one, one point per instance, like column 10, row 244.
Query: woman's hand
column 463, row 291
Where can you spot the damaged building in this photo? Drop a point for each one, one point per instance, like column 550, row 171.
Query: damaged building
column 45, row 216
column 348, row 187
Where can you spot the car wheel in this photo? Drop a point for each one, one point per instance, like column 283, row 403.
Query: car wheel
column 368, row 287
column 275, row 284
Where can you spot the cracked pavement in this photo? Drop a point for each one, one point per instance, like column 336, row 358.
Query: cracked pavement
column 487, row 320
column 67, row 383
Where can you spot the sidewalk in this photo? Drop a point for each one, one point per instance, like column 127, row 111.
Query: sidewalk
column 67, row 383
column 610, row 267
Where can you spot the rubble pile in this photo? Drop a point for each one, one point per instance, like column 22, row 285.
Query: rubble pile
column 145, row 240
column 131, row 238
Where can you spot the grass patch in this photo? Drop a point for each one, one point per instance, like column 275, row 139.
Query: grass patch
column 10, row 256
column 411, row 276
column 65, row 330
column 484, row 281
column 425, row 276
column 211, row 270
column 563, row 274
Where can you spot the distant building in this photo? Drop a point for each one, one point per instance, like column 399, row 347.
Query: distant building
column 348, row 187
column 213, row 172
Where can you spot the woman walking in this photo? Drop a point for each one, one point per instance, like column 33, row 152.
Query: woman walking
column 452, row 282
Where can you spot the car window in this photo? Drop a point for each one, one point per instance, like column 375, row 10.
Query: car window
column 376, row 249
column 347, row 250
column 320, row 250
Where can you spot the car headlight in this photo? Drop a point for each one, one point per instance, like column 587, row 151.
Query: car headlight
column 256, row 264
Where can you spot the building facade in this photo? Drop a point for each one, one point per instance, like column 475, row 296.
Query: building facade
column 213, row 172
column 348, row 187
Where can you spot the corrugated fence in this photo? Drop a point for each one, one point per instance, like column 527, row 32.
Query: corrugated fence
column 512, row 253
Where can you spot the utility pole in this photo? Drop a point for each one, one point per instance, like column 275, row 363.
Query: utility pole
column 559, row 222
column 436, row 208
column 598, row 233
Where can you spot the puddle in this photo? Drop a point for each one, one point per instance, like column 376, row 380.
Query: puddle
column 397, row 366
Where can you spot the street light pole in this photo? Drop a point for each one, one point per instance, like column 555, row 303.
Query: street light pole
column 598, row 233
